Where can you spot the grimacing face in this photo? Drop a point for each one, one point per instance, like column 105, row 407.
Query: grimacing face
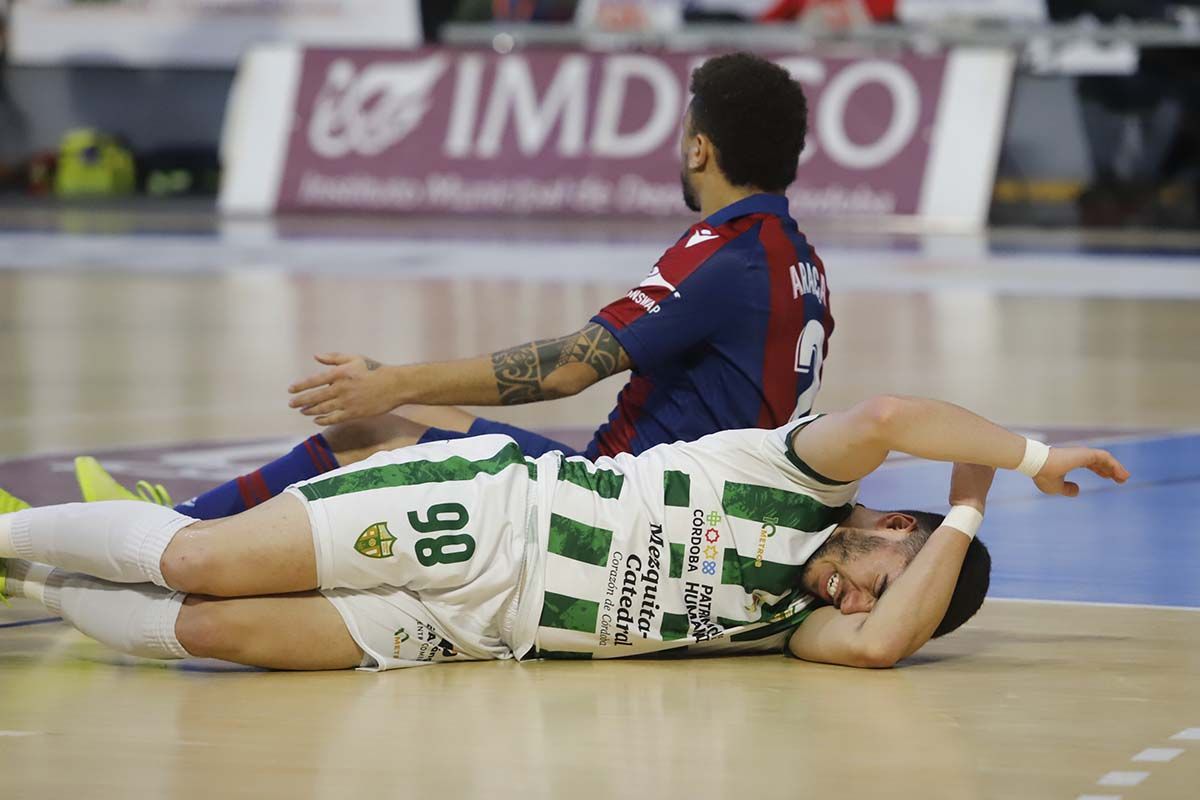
column 854, row 568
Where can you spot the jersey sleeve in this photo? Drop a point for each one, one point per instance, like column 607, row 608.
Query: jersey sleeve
column 674, row 308
column 778, row 444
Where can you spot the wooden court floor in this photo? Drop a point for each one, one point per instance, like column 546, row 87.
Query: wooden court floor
column 130, row 340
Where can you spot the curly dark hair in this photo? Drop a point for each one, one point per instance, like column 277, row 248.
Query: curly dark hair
column 755, row 115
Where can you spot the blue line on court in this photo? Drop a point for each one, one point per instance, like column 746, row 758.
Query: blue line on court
column 1135, row 544
column 27, row 622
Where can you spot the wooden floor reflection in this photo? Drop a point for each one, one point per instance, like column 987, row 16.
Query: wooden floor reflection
column 107, row 359
column 1031, row 701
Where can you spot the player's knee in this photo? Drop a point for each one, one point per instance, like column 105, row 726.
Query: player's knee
column 353, row 441
column 205, row 629
column 360, row 434
column 190, row 564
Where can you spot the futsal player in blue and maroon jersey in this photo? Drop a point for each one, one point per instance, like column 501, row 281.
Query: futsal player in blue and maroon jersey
column 729, row 330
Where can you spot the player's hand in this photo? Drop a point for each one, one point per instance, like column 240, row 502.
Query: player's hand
column 353, row 388
column 970, row 484
column 1052, row 477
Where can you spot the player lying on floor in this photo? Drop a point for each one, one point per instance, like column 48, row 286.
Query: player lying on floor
column 742, row 541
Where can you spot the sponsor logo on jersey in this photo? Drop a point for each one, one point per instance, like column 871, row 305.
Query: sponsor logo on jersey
column 702, row 556
column 375, row 542
column 702, row 547
column 430, row 644
column 765, row 533
column 756, row 601
column 623, row 612
column 644, row 300
column 398, row 638
column 605, row 631
column 700, row 237
column 654, row 280
column 698, row 597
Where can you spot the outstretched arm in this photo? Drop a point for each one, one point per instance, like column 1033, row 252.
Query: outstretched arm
column 849, row 445
column 356, row 387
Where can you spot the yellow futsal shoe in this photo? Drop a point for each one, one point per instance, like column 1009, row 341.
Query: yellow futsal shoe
column 96, row 484
column 10, row 504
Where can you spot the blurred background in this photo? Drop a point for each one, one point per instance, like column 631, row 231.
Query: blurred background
column 198, row 195
column 130, row 100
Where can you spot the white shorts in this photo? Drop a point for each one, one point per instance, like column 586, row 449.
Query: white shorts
column 421, row 550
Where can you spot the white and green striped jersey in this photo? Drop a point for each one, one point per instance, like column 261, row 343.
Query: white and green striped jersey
column 690, row 546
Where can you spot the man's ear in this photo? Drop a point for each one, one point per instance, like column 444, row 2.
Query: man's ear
column 897, row 521
column 698, row 153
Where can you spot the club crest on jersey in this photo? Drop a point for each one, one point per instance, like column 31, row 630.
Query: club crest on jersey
column 376, row 541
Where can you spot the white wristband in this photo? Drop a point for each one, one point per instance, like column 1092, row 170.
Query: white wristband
column 1036, row 454
column 964, row 519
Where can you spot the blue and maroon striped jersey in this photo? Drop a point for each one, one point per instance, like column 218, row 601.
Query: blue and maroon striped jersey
column 729, row 330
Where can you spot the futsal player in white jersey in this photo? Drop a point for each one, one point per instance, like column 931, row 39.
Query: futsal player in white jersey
column 742, row 541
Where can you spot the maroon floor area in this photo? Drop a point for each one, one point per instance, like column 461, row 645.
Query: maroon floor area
column 184, row 469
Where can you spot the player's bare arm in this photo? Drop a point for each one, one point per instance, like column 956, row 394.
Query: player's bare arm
column 553, row 368
column 357, row 387
column 849, row 445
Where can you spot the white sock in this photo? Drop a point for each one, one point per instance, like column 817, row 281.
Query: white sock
column 27, row 580
column 6, row 533
column 137, row 619
column 119, row 540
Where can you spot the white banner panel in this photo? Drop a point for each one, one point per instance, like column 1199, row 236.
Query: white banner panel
column 199, row 33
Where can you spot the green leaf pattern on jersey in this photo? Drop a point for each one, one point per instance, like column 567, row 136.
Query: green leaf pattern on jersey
column 411, row 473
column 674, row 626
column 677, row 557
column 772, row 508
column 766, row 576
column 603, row 482
column 575, row 540
column 677, row 488
column 781, row 507
column 569, row 613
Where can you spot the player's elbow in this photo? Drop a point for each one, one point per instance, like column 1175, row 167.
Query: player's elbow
column 879, row 415
column 881, row 659
column 882, row 650
column 878, row 655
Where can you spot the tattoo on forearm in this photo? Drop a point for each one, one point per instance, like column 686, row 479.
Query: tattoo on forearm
column 521, row 371
column 372, row 364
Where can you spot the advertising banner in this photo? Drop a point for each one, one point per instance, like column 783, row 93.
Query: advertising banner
column 561, row 132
